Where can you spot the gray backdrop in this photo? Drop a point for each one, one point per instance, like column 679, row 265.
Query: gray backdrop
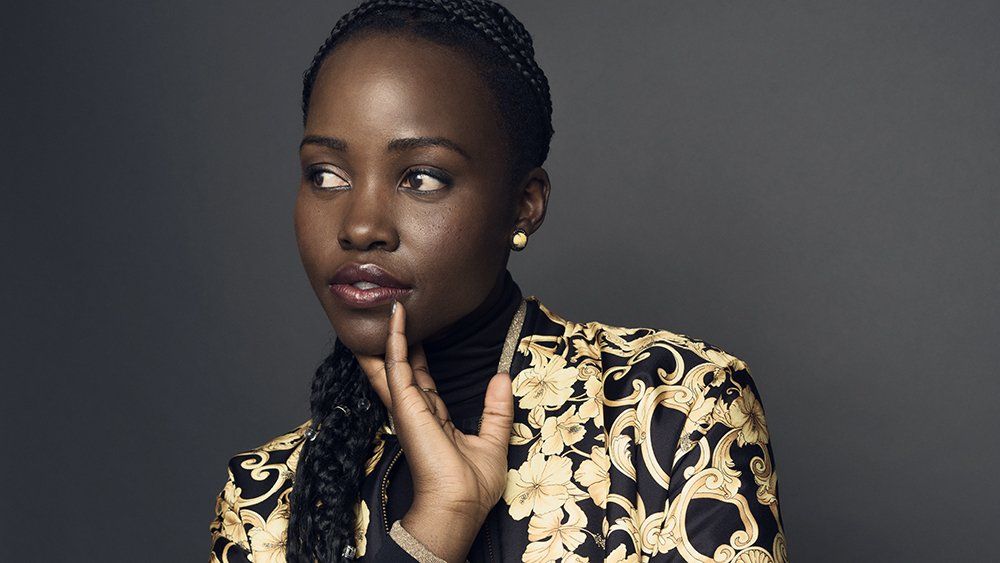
column 811, row 186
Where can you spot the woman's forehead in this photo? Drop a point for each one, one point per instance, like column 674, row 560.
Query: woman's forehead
column 397, row 86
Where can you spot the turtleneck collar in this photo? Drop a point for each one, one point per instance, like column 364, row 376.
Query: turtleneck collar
column 464, row 358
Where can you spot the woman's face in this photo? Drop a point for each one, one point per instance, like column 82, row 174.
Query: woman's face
column 404, row 166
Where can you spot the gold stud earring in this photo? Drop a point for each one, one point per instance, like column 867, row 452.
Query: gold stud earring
column 519, row 240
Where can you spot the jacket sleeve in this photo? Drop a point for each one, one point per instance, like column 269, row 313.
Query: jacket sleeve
column 229, row 538
column 401, row 546
column 705, row 486
column 723, row 495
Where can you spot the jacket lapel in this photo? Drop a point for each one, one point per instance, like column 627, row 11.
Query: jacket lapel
column 558, row 464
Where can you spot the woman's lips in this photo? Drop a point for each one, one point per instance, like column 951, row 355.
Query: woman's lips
column 366, row 285
column 370, row 297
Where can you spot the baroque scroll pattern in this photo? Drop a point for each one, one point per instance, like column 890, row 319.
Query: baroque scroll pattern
column 576, row 457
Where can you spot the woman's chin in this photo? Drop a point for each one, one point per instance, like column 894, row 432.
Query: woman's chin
column 365, row 331
column 364, row 338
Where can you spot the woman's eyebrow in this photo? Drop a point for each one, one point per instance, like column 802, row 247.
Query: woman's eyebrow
column 328, row 142
column 397, row 145
column 417, row 142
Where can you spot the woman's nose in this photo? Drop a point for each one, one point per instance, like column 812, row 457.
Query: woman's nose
column 368, row 222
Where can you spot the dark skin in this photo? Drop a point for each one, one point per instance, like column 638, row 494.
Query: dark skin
column 438, row 214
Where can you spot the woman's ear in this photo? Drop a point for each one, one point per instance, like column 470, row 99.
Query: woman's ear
column 532, row 200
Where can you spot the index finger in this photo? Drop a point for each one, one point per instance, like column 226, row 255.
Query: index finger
column 415, row 422
column 398, row 373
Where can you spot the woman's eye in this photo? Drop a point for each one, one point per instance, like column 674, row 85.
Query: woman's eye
column 424, row 181
column 327, row 179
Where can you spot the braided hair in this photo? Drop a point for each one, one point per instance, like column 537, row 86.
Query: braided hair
column 330, row 471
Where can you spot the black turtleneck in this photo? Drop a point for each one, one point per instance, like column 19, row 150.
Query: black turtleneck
column 463, row 358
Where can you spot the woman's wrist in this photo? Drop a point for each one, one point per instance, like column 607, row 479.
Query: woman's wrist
column 446, row 534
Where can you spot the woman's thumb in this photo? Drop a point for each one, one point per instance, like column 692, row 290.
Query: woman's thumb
column 498, row 410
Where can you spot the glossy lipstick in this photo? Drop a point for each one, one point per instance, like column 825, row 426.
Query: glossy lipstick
column 366, row 285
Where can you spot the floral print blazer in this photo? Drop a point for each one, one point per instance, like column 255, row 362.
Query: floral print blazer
column 628, row 445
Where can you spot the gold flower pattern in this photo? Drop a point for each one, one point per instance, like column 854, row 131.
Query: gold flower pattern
column 552, row 537
column 628, row 445
column 594, row 473
column 542, row 484
column 549, row 384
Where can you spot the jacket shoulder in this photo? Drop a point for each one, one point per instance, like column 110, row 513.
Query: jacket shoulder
column 278, row 455
column 641, row 366
column 262, row 476
column 658, row 357
column 638, row 344
column 252, row 508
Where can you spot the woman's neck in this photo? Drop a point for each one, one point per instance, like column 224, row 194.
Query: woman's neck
column 463, row 358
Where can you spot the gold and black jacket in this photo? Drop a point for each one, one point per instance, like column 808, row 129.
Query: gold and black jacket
column 628, row 445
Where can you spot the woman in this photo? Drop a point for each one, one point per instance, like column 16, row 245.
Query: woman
column 456, row 419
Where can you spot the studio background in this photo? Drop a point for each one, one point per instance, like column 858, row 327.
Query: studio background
column 811, row 186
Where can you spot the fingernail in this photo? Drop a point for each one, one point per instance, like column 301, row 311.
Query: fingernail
column 393, row 311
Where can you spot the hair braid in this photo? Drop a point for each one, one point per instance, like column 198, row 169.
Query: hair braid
column 331, row 468
column 524, row 57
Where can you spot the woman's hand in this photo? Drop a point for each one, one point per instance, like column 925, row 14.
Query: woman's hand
column 457, row 477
